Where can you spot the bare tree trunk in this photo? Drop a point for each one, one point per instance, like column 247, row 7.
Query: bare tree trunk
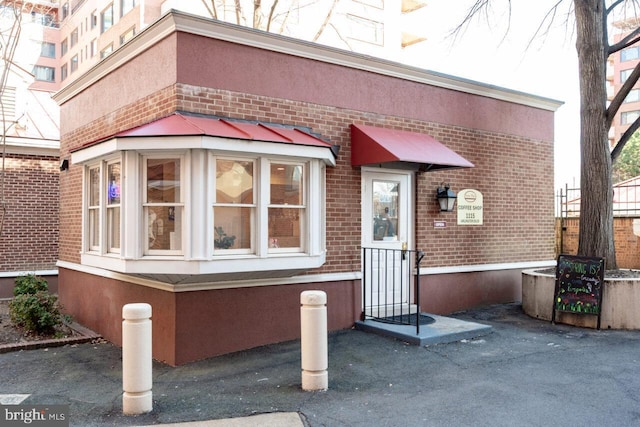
column 596, row 199
column 257, row 14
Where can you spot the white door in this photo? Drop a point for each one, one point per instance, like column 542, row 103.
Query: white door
column 386, row 230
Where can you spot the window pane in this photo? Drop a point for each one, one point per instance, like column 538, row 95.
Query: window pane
column 128, row 35
column 232, row 227
column 126, row 6
column 284, row 227
column 94, row 187
column 48, row 50
column 630, row 54
column 46, row 74
column 234, row 181
column 385, row 210
column 106, row 51
column 107, row 18
column 113, row 228
column 113, row 176
column 94, row 228
column 629, row 117
column 164, row 227
column 74, row 37
column 633, row 96
column 163, row 180
column 286, row 184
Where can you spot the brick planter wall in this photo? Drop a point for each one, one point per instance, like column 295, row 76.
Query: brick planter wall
column 627, row 244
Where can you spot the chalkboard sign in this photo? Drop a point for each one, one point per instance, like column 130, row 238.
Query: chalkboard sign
column 579, row 284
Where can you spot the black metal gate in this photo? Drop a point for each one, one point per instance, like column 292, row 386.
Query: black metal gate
column 391, row 285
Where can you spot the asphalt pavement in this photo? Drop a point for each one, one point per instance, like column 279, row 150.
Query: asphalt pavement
column 526, row 372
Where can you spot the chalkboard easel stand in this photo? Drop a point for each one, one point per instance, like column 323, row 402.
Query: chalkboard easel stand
column 579, row 286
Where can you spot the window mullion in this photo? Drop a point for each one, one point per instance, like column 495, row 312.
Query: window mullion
column 264, row 196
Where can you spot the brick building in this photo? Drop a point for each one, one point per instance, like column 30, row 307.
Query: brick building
column 29, row 148
column 290, row 151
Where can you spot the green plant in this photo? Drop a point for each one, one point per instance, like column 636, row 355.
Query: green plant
column 29, row 284
column 222, row 241
column 33, row 307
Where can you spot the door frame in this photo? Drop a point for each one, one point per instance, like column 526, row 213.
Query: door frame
column 367, row 212
column 405, row 232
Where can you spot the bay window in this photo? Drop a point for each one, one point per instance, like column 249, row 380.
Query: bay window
column 216, row 208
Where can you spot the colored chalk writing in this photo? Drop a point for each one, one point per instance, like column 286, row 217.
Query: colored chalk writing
column 579, row 283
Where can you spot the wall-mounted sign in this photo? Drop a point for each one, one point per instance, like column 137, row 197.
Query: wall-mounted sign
column 469, row 207
column 439, row 224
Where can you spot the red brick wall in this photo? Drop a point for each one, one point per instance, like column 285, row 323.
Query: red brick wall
column 518, row 192
column 29, row 239
column 627, row 244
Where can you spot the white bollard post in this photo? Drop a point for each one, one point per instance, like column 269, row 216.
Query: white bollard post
column 313, row 340
column 136, row 359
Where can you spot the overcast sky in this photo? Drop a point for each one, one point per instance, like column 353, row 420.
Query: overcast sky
column 495, row 49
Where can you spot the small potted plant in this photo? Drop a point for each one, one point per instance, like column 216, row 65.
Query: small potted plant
column 222, row 241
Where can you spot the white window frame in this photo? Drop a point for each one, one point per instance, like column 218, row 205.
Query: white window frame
column 304, row 221
column 88, row 241
column 102, row 247
column 105, row 24
column 177, row 204
column 197, row 170
column 255, row 214
column 108, row 207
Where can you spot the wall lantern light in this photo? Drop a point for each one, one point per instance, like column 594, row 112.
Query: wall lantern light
column 446, row 198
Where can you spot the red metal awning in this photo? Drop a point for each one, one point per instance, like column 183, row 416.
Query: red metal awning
column 186, row 125
column 371, row 145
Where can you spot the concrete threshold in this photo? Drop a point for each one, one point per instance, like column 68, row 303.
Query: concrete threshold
column 442, row 330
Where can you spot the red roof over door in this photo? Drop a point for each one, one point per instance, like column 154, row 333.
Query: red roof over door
column 371, row 145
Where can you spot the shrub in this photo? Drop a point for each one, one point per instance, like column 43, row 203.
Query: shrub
column 33, row 307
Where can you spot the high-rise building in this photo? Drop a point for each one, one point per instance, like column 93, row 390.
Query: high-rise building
column 621, row 65
column 92, row 29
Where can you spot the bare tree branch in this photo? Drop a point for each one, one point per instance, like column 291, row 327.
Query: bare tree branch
column 626, row 136
column 613, row 6
column 238, row 12
column 549, row 18
column 271, row 12
column 212, row 10
column 630, row 39
column 619, row 97
column 326, row 20
column 257, row 13
column 480, row 6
